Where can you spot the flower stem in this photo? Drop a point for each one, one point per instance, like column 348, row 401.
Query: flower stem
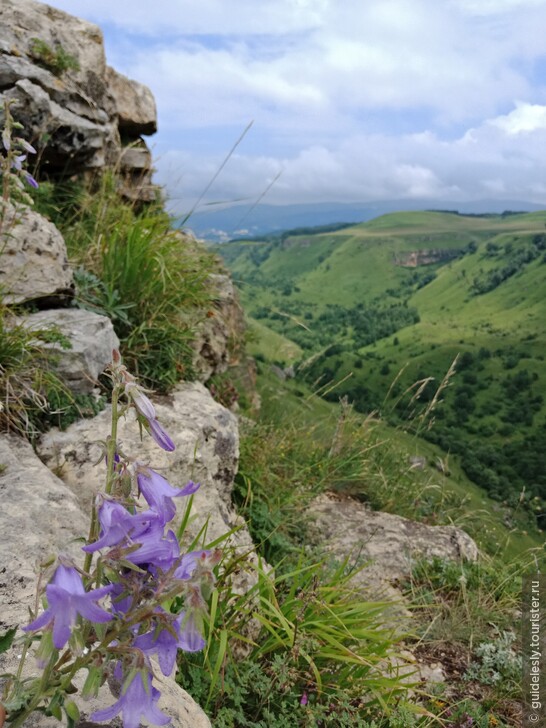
column 110, row 476
column 112, row 442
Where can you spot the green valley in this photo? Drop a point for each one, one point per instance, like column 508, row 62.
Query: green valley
column 433, row 320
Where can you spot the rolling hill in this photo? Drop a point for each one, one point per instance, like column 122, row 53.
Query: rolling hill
column 220, row 222
column 391, row 310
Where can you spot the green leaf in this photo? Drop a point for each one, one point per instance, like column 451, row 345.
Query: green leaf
column 222, row 647
column 6, row 639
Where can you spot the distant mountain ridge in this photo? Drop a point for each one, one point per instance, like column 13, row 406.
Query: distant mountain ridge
column 244, row 221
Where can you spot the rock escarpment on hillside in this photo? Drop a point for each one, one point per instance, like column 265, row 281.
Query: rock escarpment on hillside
column 80, row 114
column 415, row 258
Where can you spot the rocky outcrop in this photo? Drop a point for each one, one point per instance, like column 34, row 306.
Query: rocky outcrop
column 207, row 449
column 386, row 544
column 90, row 339
column 134, row 104
column 44, row 518
column 219, row 339
column 78, row 112
column 416, row 258
column 33, row 259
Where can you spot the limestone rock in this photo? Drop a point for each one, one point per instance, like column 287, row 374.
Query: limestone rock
column 207, row 449
column 40, row 516
column 134, row 102
column 388, row 543
column 135, row 170
column 92, row 339
column 24, row 21
column 136, row 157
column 53, row 65
column 74, row 141
column 33, row 263
column 217, row 344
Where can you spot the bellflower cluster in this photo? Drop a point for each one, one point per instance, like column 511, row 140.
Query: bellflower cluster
column 112, row 616
column 16, row 150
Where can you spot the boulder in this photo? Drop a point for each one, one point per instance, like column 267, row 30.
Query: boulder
column 40, row 517
column 33, row 263
column 43, row 519
column 134, row 103
column 24, row 22
column 386, row 543
column 91, row 338
column 207, row 449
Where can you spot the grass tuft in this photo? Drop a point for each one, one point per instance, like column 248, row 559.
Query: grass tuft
column 133, row 267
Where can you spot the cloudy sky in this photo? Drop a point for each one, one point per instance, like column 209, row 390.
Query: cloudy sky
column 351, row 100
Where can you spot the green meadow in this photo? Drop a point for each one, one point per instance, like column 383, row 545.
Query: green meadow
column 436, row 323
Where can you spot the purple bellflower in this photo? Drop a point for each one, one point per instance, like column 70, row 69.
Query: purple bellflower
column 67, row 598
column 26, row 146
column 165, row 640
column 138, row 700
column 160, row 436
column 159, row 493
column 146, row 410
column 156, row 551
column 191, row 639
column 188, row 564
column 29, row 179
column 142, row 403
column 117, row 524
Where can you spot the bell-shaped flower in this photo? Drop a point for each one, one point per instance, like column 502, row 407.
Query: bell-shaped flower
column 188, row 564
column 154, row 550
column 25, row 145
column 160, row 436
column 141, row 402
column 165, row 640
column 146, row 412
column 138, row 701
column 159, row 493
column 191, row 639
column 67, row 599
column 118, row 524
column 29, row 179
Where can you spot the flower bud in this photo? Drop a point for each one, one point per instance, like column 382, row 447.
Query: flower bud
column 93, row 681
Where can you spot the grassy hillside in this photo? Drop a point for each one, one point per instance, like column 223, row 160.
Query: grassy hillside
column 383, row 309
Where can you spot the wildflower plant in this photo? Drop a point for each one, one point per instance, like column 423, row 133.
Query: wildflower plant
column 15, row 151
column 109, row 616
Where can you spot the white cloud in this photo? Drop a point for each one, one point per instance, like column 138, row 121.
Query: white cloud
column 351, row 99
column 206, row 17
column 494, row 7
column 523, row 119
column 485, row 162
